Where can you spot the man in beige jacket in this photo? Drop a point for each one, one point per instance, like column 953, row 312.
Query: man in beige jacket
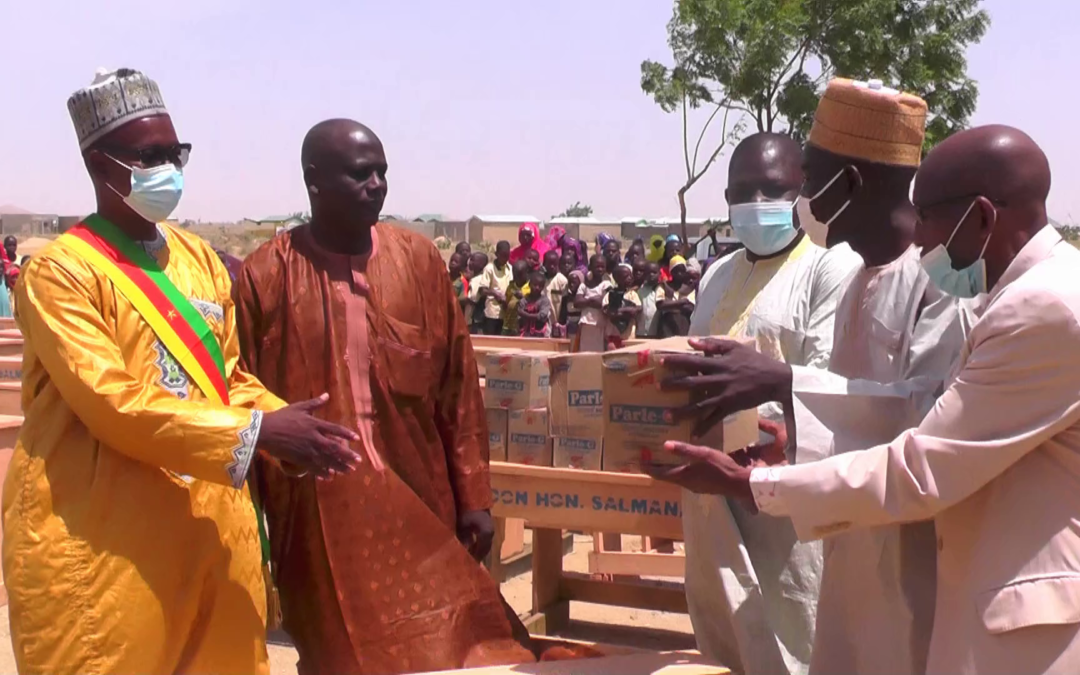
column 996, row 463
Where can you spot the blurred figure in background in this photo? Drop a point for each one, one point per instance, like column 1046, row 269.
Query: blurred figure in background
column 528, row 240
column 491, row 289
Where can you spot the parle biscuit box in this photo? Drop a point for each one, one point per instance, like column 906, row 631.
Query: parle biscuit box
column 496, row 423
column 577, row 395
column 516, row 380
column 578, row 453
column 639, row 417
column 528, row 438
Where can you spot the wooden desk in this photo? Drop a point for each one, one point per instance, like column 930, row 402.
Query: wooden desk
column 552, row 500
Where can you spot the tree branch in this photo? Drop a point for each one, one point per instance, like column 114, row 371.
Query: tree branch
column 701, row 137
column 685, row 138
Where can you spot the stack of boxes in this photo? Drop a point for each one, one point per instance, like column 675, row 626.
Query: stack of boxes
column 595, row 411
column 516, row 398
column 577, row 410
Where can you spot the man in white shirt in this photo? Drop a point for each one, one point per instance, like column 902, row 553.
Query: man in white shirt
column 751, row 587
column 996, row 463
column 896, row 338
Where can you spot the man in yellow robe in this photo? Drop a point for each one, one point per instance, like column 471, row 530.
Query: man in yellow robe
column 131, row 542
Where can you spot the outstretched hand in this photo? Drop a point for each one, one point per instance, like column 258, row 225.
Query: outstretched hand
column 706, row 471
column 293, row 435
column 728, row 378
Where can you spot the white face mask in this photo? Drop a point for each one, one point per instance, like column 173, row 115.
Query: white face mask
column 966, row 283
column 822, row 191
column 814, row 228
column 155, row 192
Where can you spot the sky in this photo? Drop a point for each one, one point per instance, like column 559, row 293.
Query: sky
column 484, row 107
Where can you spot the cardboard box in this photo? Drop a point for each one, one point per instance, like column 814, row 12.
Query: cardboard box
column 577, row 396
column 639, row 417
column 496, row 424
column 528, row 437
column 516, row 381
column 578, row 453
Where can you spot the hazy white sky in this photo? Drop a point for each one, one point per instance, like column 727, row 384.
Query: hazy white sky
column 485, row 106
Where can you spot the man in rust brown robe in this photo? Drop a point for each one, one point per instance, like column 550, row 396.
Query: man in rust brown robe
column 377, row 569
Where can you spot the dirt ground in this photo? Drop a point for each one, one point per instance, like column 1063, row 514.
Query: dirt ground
column 612, row 625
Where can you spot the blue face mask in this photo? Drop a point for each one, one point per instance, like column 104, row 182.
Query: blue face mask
column 155, row 192
column 764, row 228
column 966, row 283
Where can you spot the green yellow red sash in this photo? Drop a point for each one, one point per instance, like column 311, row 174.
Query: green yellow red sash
column 180, row 327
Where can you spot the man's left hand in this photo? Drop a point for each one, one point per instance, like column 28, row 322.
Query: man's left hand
column 476, row 531
column 729, row 378
column 706, row 472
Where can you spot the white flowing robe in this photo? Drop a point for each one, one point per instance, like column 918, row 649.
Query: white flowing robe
column 896, row 341
column 751, row 587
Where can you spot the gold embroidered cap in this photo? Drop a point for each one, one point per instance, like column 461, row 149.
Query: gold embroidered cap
column 112, row 100
column 868, row 121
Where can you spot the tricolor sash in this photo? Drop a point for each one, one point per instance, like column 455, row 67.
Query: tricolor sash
column 180, row 327
column 175, row 321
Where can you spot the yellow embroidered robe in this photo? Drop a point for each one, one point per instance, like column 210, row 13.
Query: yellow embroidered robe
column 130, row 540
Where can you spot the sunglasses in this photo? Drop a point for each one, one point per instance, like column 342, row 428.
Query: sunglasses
column 156, row 155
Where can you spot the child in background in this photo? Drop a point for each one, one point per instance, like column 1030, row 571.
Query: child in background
column 590, row 299
column 491, row 289
column 678, row 304
column 534, row 308
column 556, row 281
column 517, row 289
column 532, row 256
column 459, row 280
column 477, row 262
column 650, row 291
column 569, row 313
column 622, row 307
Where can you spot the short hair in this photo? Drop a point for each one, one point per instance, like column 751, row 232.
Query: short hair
column 502, row 245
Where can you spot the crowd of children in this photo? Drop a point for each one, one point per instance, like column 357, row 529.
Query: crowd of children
column 547, row 288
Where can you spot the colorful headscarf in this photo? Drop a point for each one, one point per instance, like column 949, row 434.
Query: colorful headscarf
column 537, row 243
column 555, row 237
column 676, row 260
column 674, row 237
column 578, row 247
column 602, row 240
column 654, row 252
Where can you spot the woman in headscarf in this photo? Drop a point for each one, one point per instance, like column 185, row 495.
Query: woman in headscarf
column 7, row 282
column 529, row 239
column 581, row 257
column 602, row 240
column 655, row 251
column 554, row 239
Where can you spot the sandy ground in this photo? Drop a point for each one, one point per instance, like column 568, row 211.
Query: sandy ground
column 613, row 625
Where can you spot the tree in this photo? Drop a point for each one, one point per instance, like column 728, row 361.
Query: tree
column 576, row 210
column 757, row 58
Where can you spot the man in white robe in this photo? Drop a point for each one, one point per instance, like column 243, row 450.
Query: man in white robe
column 895, row 340
column 996, row 463
column 751, row 587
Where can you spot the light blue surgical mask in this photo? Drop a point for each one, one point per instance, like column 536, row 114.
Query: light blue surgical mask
column 966, row 283
column 155, row 192
column 764, row 228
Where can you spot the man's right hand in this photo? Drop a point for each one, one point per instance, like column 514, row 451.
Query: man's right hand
column 292, row 435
